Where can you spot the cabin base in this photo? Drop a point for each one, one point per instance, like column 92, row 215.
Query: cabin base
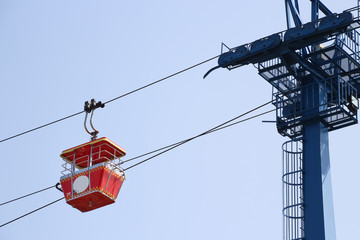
column 87, row 191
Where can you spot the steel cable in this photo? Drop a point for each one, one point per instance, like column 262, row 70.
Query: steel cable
column 109, row 101
column 27, row 195
column 221, row 126
column 32, row 212
column 168, row 146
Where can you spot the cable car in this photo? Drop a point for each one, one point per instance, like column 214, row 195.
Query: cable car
column 92, row 176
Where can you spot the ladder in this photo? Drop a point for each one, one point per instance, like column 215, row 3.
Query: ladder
column 293, row 203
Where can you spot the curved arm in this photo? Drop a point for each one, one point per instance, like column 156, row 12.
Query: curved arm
column 91, row 124
column 85, row 124
column 212, row 69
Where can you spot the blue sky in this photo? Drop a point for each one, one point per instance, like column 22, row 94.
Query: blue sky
column 55, row 55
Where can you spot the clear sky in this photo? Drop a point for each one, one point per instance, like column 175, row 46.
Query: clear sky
column 55, row 55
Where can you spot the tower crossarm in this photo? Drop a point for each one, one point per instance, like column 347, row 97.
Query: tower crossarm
column 323, row 54
column 275, row 45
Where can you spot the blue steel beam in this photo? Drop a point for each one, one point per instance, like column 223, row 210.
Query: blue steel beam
column 317, row 5
column 324, row 9
column 319, row 222
column 277, row 44
column 318, row 205
column 316, row 71
column 314, row 10
column 295, row 13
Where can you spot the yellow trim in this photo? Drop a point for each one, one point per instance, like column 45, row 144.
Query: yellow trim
column 90, row 143
column 93, row 190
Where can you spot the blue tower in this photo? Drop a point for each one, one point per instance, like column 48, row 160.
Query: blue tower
column 314, row 69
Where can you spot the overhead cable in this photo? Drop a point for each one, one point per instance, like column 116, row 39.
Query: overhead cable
column 42, row 126
column 162, row 79
column 221, row 126
column 27, row 195
column 32, row 212
column 168, row 146
column 111, row 100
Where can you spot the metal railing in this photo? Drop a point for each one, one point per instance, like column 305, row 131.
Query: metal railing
column 99, row 153
column 292, row 110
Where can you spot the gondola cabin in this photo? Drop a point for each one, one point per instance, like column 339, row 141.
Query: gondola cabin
column 92, row 176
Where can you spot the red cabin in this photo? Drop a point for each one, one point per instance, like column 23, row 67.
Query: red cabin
column 92, row 176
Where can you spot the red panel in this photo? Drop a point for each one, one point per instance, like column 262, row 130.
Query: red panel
column 103, row 150
column 104, row 189
column 91, row 201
